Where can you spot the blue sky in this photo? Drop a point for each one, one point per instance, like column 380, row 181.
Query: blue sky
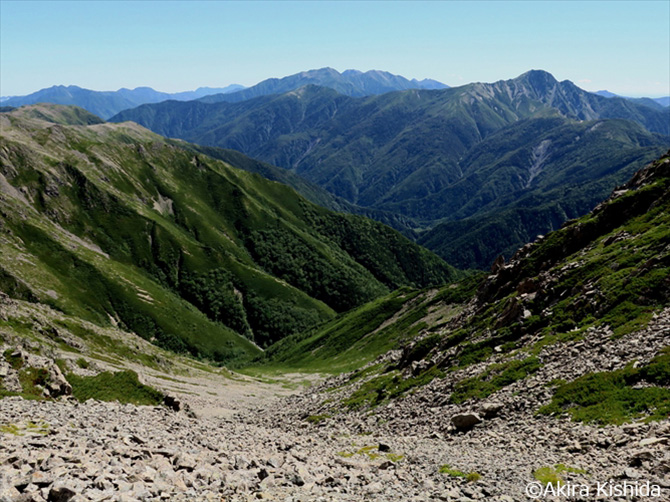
column 173, row 46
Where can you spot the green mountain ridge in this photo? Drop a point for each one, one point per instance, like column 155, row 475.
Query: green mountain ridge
column 114, row 224
column 310, row 191
column 422, row 154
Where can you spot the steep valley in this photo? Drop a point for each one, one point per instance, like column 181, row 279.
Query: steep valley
column 406, row 380
column 117, row 225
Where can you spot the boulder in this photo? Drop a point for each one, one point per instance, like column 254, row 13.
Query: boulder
column 184, row 461
column 490, row 409
column 61, row 491
column 172, row 402
column 57, row 384
column 465, row 421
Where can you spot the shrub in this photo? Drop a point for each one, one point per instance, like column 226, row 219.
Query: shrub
column 455, row 473
column 123, row 386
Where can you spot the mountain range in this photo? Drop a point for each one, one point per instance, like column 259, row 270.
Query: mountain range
column 133, row 267
column 486, row 151
column 604, row 272
column 117, row 225
column 657, row 103
column 559, row 358
column 107, row 103
column 348, row 83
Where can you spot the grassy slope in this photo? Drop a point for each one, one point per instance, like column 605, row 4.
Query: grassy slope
column 610, row 268
column 355, row 338
column 161, row 225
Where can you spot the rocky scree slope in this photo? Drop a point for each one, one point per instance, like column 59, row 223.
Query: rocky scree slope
column 561, row 358
column 76, row 422
column 117, row 225
column 64, row 450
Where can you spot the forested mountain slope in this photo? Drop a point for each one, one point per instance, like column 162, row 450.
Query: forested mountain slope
column 574, row 326
column 482, row 151
column 118, row 225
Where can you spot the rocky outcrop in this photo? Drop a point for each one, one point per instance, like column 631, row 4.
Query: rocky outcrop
column 53, row 384
column 541, row 255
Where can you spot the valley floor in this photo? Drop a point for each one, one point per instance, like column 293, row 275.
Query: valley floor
column 240, row 438
column 243, row 440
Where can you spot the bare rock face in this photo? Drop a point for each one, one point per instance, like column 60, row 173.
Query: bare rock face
column 465, row 421
column 56, row 385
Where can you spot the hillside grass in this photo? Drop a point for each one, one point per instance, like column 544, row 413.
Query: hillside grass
column 616, row 397
column 122, row 386
column 355, row 338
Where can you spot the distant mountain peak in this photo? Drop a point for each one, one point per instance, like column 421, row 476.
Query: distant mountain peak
column 351, row 82
column 320, row 71
column 108, row 103
column 538, row 79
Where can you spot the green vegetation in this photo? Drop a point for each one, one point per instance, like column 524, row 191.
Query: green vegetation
column 346, row 342
column 381, row 389
column 493, row 379
column 357, row 337
column 122, row 386
column 610, row 269
column 183, row 249
column 39, row 428
column 612, row 397
column 317, row 419
column 372, row 452
column 455, row 473
column 483, row 172
column 547, row 476
column 33, row 381
column 15, row 361
column 552, row 475
column 10, row 429
column 82, row 363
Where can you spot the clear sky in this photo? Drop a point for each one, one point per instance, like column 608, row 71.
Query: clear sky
column 173, row 46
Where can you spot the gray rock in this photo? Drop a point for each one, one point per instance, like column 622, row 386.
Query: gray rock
column 651, row 441
column 465, row 421
column 184, row 461
column 490, row 409
column 61, row 491
column 57, row 384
